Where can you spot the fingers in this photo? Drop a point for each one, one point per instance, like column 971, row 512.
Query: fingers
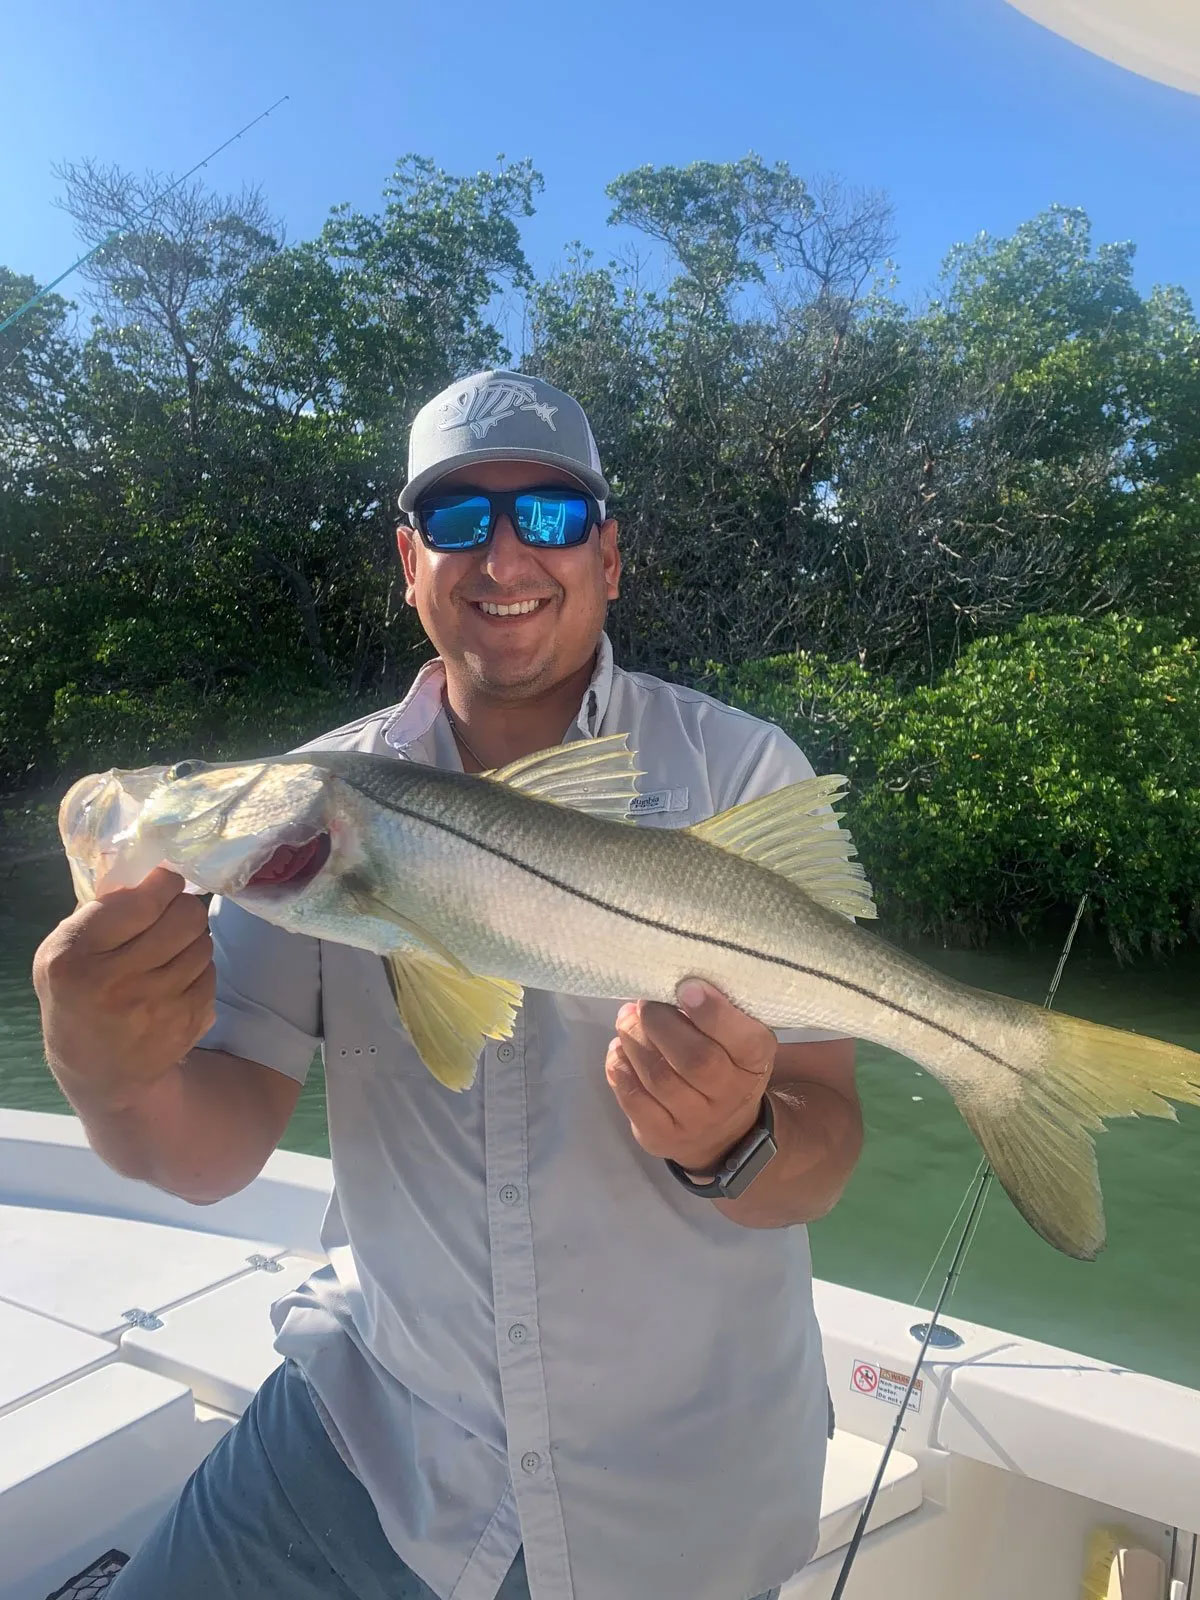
column 184, row 920
column 201, row 996
column 177, row 975
column 654, row 1128
column 665, row 1054
column 114, row 919
column 748, row 1043
column 691, row 1077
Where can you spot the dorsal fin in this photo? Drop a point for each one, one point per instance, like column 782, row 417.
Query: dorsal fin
column 593, row 775
column 793, row 832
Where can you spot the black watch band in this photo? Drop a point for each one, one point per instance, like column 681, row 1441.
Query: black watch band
column 740, row 1166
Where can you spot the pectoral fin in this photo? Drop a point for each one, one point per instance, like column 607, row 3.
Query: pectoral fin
column 449, row 1012
column 790, row 832
column 593, row 775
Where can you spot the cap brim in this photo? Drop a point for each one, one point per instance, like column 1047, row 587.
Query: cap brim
column 592, row 481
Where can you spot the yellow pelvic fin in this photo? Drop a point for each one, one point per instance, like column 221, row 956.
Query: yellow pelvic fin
column 793, row 832
column 1038, row 1140
column 449, row 1012
column 593, row 775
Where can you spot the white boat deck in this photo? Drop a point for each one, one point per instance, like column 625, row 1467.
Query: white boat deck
column 134, row 1329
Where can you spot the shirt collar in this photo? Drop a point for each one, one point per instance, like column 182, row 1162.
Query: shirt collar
column 425, row 701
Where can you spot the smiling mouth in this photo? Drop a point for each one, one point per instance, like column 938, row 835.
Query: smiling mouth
column 512, row 608
column 294, row 865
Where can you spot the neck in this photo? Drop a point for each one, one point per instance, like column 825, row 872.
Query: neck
column 499, row 730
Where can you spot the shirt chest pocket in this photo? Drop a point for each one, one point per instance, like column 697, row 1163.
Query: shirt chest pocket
column 664, row 805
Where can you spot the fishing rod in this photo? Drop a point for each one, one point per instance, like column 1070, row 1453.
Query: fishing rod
column 116, row 233
column 981, row 1183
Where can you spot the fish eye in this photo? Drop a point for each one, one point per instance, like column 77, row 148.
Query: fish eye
column 183, row 769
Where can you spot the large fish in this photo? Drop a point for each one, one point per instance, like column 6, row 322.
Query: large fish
column 472, row 887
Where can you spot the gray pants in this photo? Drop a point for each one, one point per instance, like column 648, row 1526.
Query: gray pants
column 272, row 1510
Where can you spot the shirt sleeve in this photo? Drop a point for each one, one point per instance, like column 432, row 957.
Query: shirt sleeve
column 776, row 762
column 268, row 991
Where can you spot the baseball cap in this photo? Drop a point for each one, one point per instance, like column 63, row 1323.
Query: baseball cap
column 501, row 416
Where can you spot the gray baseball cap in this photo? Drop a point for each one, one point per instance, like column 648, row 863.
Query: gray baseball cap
column 501, row 416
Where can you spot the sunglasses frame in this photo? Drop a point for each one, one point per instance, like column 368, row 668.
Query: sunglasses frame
column 503, row 502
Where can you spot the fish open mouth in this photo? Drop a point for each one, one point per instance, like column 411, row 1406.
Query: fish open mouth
column 292, row 864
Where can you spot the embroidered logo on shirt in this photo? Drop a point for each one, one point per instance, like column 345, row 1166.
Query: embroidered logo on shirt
column 659, row 800
column 482, row 405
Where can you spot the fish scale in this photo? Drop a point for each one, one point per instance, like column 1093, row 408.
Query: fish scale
column 473, row 888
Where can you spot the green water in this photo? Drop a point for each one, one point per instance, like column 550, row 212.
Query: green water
column 1139, row 1304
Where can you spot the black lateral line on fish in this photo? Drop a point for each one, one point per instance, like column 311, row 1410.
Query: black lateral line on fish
column 703, row 938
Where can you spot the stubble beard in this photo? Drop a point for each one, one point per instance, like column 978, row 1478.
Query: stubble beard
column 508, row 682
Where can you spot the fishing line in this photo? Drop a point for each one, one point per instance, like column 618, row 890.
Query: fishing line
column 1048, row 1004
column 981, row 1183
column 916, row 1299
column 868, row 1507
column 117, row 232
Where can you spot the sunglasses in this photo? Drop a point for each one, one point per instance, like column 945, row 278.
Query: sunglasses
column 465, row 519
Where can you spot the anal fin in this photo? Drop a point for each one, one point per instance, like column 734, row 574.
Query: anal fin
column 449, row 1012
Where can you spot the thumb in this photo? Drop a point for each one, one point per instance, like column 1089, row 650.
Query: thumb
column 118, row 915
column 748, row 1042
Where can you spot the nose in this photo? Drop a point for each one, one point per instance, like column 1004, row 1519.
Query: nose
column 505, row 559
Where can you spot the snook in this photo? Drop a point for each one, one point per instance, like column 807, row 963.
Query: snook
column 473, row 888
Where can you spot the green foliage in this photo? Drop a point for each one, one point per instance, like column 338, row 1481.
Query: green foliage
column 1061, row 759
column 832, row 709
column 719, row 219
column 873, row 522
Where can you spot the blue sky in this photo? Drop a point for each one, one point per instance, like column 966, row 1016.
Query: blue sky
column 969, row 115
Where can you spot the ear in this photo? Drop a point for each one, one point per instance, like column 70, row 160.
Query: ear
column 610, row 557
column 407, row 540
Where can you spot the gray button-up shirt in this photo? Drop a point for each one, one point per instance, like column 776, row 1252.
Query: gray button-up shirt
column 528, row 1332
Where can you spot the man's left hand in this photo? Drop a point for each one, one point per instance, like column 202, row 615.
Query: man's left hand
column 690, row 1077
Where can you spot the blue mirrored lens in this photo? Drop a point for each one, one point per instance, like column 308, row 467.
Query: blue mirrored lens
column 553, row 518
column 457, row 522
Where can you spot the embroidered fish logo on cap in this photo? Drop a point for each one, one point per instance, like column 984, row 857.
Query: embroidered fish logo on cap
column 482, row 405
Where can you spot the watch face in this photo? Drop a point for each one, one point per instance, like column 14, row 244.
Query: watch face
column 749, row 1165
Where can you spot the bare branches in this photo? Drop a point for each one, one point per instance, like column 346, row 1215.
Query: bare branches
column 168, row 286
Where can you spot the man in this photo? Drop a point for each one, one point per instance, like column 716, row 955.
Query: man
column 551, row 1355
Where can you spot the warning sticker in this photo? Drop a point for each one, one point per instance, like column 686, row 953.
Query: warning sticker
column 865, row 1377
column 881, row 1382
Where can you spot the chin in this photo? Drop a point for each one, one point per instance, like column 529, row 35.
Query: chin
column 515, row 683
column 497, row 673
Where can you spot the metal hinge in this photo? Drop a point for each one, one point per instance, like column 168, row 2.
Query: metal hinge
column 146, row 1320
column 264, row 1264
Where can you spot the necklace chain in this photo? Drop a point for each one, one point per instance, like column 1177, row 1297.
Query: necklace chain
column 456, row 730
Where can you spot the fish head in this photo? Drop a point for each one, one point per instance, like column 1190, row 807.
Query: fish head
column 258, row 831
column 95, row 819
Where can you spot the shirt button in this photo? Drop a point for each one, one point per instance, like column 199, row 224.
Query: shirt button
column 530, row 1461
column 510, row 1194
column 518, row 1333
column 505, row 1052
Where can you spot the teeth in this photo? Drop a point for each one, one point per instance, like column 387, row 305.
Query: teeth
column 520, row 609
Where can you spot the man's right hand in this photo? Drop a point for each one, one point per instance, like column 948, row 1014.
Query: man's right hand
column 126, row 985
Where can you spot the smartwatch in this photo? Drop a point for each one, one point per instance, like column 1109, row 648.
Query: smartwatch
column 738, row 1167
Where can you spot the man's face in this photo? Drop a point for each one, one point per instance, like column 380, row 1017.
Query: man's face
column 512, row 657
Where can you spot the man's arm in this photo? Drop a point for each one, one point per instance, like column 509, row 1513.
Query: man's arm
column 127, row 987
column 691, row 1079
column 818, row 1132
column 202, row 1131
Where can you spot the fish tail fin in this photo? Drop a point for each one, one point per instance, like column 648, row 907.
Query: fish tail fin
column 1039, row 1140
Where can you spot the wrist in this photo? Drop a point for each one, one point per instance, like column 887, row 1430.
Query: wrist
column 100, row 1097
column 742, row 1163
column 706, row 1161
